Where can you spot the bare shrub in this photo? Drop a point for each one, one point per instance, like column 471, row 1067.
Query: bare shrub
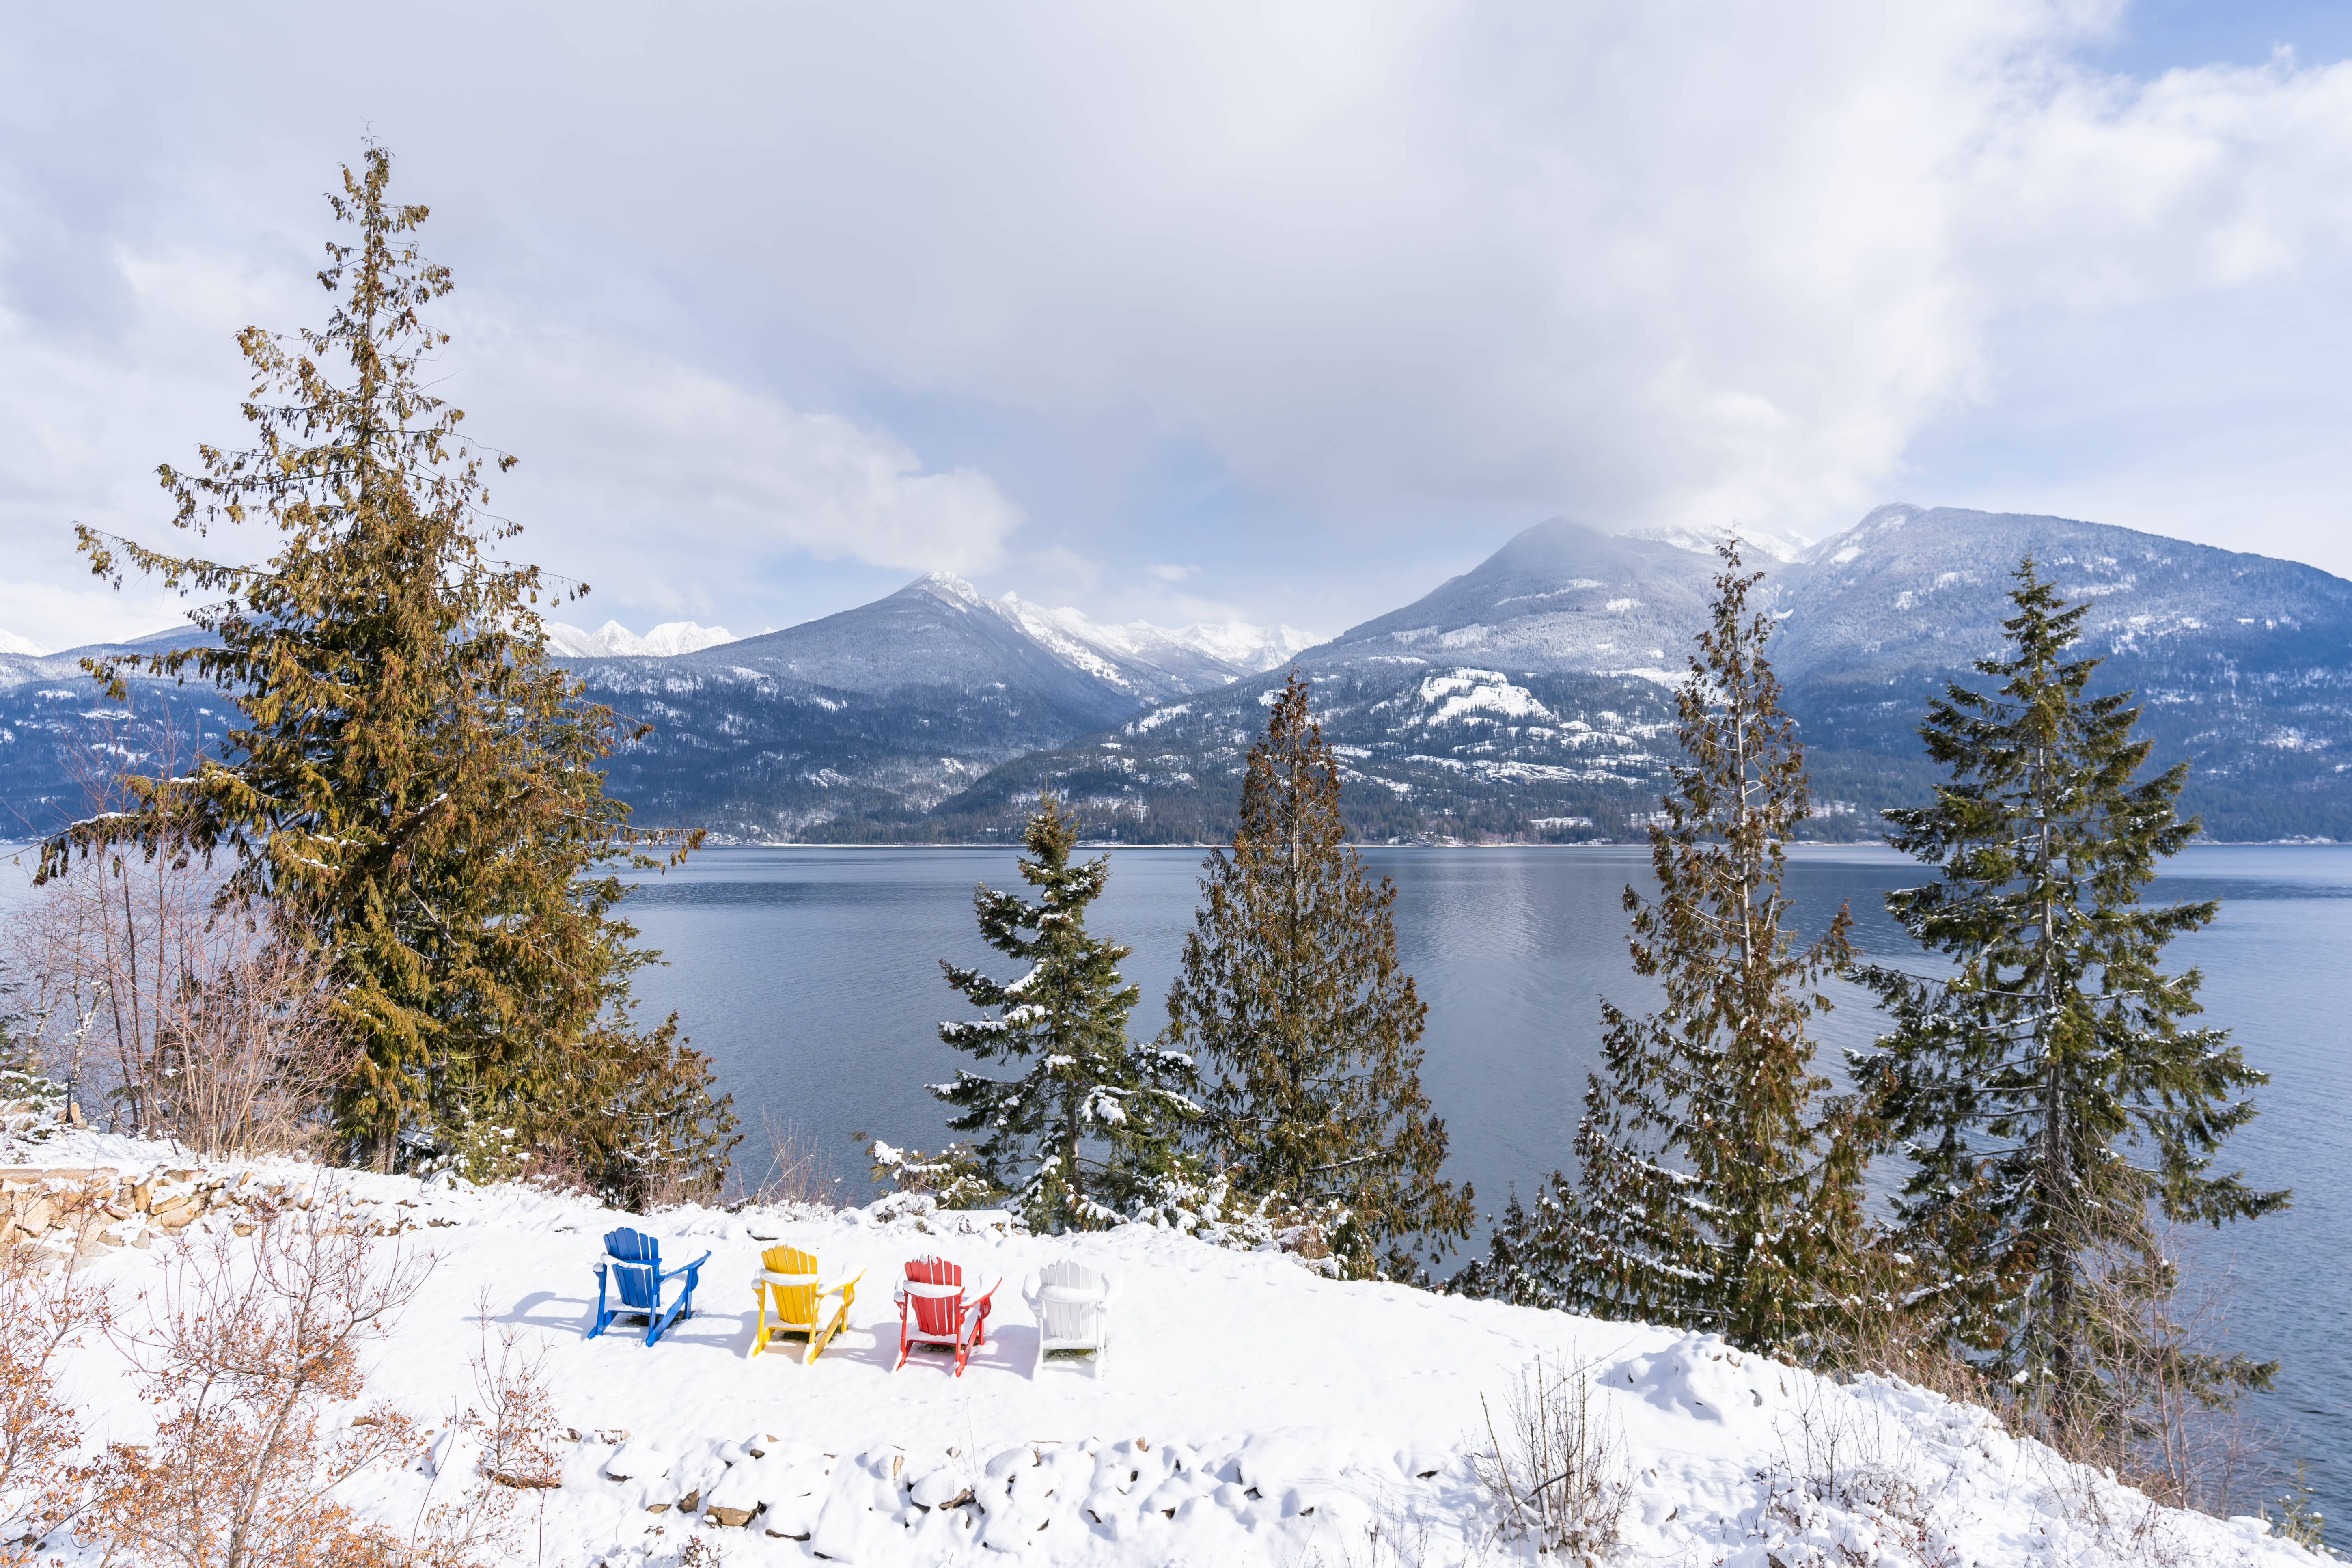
column 1390, row 1539
column 500, row 1445
column 515, row 1417
column 41, row 1316
column 1913, row 1346
column 240, row 1350
column 2297, row 1517
column 1555, row 1474
column 1843, row 1453
column 105, row 946
column 250, row 1057
column 799, row 1175
column 2122, row 1525
column 2166, row 1416
column 181, row 1016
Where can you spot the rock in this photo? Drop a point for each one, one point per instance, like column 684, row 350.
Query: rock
column 941, row 1489
column 735, row 1497
column 638, row 1461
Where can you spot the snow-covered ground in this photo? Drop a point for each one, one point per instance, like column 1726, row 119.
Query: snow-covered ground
column 1250, row 1411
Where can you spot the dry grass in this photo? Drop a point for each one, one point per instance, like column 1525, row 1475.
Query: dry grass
column 797, row 1174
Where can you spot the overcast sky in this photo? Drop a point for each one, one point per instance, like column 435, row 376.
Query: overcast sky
column 1277, row 312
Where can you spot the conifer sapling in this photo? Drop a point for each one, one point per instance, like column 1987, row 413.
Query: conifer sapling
column 1090, row 1117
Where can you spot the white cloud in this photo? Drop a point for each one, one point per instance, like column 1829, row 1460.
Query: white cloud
column 649, row 445
column 1372, row 267
column 1172, row 573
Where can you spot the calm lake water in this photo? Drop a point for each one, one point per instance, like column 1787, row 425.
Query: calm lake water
column 812, row 976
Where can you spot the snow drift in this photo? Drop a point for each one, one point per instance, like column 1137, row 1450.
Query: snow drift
column 1251, row 1411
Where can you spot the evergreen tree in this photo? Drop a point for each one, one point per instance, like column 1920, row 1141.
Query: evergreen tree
column 1720, row 1187
column 415, row 790
column 1289, row 989
column 2046, row 1090
column 1091, row 1119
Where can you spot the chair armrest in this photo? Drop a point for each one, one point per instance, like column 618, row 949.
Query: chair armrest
column 1031, row 1284
column 686, row 1269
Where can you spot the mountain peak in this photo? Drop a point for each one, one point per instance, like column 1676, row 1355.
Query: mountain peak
column 614, row 640
column 947, row 586
column 1781, row 547
column 11, row 643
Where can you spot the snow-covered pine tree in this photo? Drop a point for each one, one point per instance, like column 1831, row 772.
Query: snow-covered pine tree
column 1720, row 1187
column 1091, row 1119
column 417, row 794
column 2046, row 1090
column 1289, row 989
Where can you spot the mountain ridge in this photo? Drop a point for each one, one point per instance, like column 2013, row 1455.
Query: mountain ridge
column 1478, row 711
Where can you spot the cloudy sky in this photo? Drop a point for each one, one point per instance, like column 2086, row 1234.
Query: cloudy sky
column 1281, row 312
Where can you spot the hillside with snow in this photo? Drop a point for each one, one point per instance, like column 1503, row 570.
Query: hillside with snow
column 1248, row 1412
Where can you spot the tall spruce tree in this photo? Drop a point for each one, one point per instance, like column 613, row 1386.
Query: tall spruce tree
column 1289, row 991
column 2046, row 1090
column 1092, row 1117
column 1720, row 1187
column 415, row 790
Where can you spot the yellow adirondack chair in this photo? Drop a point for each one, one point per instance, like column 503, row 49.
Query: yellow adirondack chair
column 788, row 1283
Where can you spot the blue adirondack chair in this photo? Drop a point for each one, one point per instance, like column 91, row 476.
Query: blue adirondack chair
column 632, row 1268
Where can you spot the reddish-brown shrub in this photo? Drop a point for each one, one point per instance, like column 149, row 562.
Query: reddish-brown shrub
column 240, row 1348
column 41, row 1317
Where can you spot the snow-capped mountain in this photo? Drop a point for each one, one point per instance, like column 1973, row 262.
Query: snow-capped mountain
column 613, row 639
column 883, row 710
column 1154, row 662
column 1235, row 646
column 11, row 643
column 1755, row 543
column 2242, row 664
column 1478, row 709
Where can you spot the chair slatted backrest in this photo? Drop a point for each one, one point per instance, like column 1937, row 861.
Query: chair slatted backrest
column 1069, row 1297
column 795, row 1303
column 634, row 1259
column 936, row 1314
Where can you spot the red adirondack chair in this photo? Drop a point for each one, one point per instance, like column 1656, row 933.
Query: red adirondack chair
column 934, row 1311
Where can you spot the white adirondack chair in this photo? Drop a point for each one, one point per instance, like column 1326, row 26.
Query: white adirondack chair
column 1071, row 1305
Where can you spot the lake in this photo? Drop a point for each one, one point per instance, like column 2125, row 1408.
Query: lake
column 812, row 977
